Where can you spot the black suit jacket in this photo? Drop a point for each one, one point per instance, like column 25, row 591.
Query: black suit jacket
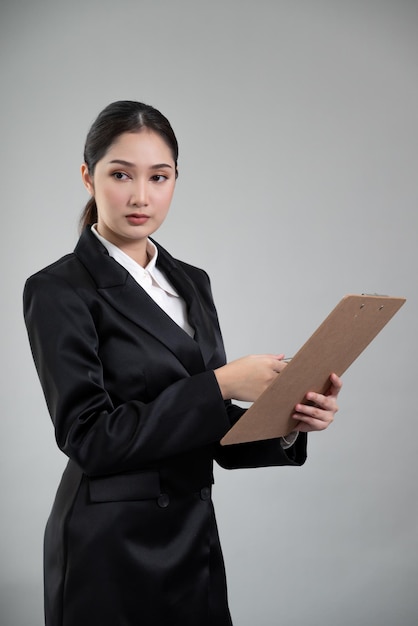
column 137, row 409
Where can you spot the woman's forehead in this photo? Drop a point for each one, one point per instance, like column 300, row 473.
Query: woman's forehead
column 139, row 147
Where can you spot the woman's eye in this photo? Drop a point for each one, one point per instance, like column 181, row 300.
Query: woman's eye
column 158, row 178
column 120, row 176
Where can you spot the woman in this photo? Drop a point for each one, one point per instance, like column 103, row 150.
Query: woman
column 129, row 353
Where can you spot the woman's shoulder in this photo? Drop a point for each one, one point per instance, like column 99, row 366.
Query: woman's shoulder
column 57, row 266
column 67, row 270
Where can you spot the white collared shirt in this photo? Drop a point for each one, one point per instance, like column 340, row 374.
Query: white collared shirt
column 152, row 280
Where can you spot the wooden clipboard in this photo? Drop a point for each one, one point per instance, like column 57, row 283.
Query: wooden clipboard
column 339, row 340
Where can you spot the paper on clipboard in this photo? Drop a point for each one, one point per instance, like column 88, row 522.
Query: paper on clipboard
column 339, row 340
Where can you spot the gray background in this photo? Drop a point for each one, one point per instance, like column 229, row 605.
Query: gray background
column 297, row 124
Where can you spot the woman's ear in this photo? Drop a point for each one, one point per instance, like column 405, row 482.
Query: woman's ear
column 87, row 179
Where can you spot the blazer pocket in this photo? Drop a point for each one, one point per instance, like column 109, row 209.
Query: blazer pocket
column 144, row 485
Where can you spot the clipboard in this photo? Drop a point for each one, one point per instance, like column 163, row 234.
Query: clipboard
column 337, row 342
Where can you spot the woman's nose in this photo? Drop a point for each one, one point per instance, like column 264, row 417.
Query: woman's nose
column 139, row 195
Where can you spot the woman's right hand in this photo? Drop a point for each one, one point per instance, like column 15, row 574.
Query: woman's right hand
column 246, row 378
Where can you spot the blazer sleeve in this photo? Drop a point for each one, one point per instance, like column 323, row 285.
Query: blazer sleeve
column 98, row 436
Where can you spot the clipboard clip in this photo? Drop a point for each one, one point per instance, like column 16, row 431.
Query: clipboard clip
column 376, row 295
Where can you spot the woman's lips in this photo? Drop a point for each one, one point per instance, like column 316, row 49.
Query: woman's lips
column 137, row 218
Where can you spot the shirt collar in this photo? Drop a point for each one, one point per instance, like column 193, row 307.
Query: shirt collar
column 133, row 267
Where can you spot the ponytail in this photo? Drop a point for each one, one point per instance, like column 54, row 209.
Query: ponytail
column 89, row 214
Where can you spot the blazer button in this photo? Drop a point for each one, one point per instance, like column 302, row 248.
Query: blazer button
column 163, row 501
column 205, row 493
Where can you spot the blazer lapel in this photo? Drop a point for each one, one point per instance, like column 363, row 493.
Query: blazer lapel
column 205, row 331
column 122, row 292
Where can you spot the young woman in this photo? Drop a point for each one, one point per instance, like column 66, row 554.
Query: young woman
column 129, row 353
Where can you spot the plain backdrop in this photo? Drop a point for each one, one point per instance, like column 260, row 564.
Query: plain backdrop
column 298, row 133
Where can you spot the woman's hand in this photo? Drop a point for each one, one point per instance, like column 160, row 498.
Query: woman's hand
column 246, row 378
column 320, row 413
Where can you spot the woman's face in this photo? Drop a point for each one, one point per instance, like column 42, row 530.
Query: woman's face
column 133, row 185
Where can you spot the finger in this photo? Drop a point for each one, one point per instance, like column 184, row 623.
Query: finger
column 309, row 424
column 312, row 413
column 336, row 384
column 278, row 364
column 279, row 368
column 326, row 403
column 306, row 411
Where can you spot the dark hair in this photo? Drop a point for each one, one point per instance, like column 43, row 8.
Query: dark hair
column 124, row 116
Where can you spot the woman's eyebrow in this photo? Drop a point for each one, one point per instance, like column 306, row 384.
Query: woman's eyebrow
column 157, row 166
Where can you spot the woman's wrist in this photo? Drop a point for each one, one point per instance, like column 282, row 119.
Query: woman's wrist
column 221, row 375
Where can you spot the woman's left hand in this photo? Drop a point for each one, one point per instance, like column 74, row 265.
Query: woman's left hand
column 319, row 414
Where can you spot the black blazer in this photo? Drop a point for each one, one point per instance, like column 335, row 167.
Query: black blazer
column 137, row 409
